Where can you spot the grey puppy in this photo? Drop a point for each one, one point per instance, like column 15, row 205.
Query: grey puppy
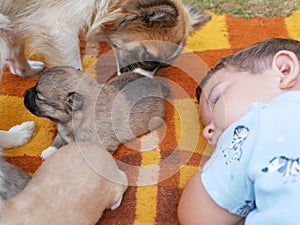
column 12, row 180
column 126, row 107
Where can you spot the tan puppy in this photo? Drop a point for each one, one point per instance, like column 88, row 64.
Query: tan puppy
column 73, row 186
column 126, row 107
column 53, row 26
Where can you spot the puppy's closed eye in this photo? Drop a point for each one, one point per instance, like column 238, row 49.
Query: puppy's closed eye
column 40, row 97
column 74, row 101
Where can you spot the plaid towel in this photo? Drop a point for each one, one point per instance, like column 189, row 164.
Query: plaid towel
column 160, row 163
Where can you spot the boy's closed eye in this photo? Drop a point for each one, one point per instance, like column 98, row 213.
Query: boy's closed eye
column 215, row 94
column 213, row 100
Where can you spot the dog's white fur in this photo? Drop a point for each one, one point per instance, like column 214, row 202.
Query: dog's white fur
column 17, row 135
column 73, row 186
column 53, row 26
column 5, row 26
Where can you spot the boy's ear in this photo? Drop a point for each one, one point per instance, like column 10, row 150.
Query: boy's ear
column 287, row 64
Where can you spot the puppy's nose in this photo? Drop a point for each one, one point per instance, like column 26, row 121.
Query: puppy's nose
column 27, row 92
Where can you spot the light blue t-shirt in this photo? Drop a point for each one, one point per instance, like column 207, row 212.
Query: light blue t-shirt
column 255, row 170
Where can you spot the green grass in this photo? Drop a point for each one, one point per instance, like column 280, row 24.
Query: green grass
column 246, row 9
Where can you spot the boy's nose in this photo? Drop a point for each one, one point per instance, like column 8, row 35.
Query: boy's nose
column 208, row 132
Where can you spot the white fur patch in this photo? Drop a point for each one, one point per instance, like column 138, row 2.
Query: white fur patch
column 116, row 204
column 19, row 135
column 47, row 152
column 35, row 66
column 145, row 72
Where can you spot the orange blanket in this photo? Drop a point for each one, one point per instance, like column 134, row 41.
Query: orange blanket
column 167, row 157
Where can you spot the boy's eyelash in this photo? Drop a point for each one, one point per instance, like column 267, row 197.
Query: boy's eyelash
column 214, row 99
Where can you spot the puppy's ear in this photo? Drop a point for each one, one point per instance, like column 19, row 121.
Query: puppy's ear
column 74, row 101
column 197, row 18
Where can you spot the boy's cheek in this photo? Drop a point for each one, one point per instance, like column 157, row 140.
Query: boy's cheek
column 228, row 110
column 219, row 115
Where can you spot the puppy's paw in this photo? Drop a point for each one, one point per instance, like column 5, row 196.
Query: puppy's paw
column 21, row 134
column 47, row 152
column 116, row 204
column 29, row 70
column 36, row 67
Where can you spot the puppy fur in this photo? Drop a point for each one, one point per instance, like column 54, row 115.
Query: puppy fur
column 17, row 135
column 12, row 179
column 53, row 26
column 73, row 186
column 126, row 107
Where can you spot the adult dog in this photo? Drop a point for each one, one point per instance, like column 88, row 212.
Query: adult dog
column 145, row 34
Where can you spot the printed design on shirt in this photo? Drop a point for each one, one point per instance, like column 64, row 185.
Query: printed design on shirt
column 234, row 151
column 285, row 166
column 247, row 208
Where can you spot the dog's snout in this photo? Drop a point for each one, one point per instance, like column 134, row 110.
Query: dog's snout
column 29, row 101
column 150, row 65
column 124, row 69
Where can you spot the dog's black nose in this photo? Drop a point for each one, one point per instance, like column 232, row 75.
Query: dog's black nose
column 149, row 65
column 124, row 69
column 26, row 93
column 29, row 91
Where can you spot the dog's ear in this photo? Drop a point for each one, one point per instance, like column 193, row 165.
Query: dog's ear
column 74, row 101
column 197, row 18
column 151, row 13
column 157, row 13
